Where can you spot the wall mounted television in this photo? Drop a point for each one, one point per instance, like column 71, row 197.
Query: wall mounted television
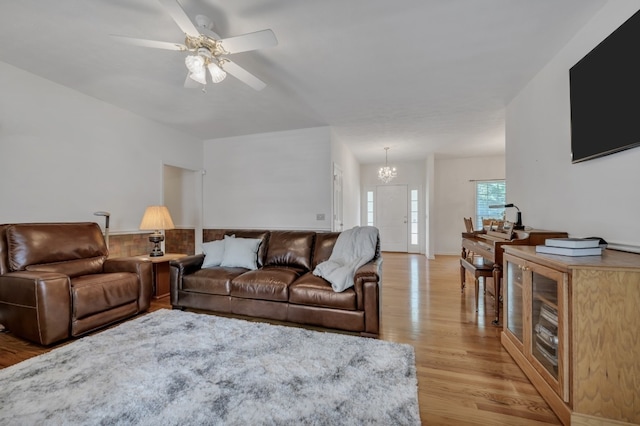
column 605, row 95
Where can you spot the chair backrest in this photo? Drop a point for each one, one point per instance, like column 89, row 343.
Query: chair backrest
column 468, row 224
column 495, row 224
column 4, row 257
column 77, row 247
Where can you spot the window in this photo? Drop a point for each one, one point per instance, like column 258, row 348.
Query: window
column 489, row 192
column 414, row 217
column 370, row 208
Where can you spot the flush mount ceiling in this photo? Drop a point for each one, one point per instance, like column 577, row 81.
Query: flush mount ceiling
column 209, row 50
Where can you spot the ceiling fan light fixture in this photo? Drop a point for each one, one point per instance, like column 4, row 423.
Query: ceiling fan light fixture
column 194, row 63
column 200, row 77
column 217, row 73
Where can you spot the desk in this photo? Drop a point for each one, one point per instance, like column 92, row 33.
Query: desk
column 491, row 248
column 161, row 272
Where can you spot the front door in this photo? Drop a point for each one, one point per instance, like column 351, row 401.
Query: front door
column 391, row 217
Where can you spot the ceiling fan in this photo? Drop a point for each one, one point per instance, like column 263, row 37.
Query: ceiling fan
column 209, row 51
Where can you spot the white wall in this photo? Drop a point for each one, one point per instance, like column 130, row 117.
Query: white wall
column 594, row 198
column 430, row 206
column 344, row 158
column 278, row 180
column 64, row 155
column 455, row 196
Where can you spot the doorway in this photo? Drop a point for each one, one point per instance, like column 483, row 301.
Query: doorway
column 338, row 222
column 182, row 194
column 391, row 217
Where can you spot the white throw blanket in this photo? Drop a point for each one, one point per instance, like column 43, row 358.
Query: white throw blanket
column 354, row 248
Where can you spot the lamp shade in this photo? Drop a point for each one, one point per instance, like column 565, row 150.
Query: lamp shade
column 217, row 73
column 156, row 218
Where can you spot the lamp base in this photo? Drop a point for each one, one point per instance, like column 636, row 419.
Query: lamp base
column 156, row 239
column 518, row 225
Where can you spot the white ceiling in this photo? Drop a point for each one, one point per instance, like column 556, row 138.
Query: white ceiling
column 419, row 76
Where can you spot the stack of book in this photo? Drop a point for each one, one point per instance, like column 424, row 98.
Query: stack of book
column 546, row 331
column 571, row 247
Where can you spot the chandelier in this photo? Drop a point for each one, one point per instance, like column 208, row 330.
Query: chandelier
column 386, row 173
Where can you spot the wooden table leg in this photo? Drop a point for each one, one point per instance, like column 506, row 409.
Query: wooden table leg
column 497, row 275
column 462, row 271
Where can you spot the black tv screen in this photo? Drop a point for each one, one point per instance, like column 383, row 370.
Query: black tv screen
column 605, row 95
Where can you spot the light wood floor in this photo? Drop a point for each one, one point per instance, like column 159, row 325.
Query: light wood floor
column 465, row 377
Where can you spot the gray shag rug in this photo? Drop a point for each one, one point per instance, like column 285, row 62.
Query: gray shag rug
column 178, row 368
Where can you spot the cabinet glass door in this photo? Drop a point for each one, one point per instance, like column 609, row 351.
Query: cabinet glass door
column 514, row 310
column 544, row 320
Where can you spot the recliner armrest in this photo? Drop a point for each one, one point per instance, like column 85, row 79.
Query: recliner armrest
column 36, row 305
column 142, row 268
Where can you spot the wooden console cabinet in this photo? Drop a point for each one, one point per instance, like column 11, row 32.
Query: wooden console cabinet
column 573, row 325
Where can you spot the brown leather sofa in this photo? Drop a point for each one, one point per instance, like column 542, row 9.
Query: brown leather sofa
column 283, row 287
column 56, row 281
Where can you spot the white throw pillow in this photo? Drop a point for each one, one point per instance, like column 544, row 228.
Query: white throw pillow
column 214, row 251
column 241, row 253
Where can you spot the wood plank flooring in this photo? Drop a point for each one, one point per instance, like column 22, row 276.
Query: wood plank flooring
column 465, row 377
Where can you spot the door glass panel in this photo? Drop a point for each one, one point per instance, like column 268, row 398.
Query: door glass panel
column 514, row 300
column 544, row 315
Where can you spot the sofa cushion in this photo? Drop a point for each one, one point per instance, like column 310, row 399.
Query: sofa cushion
column 92, row 294
column 315, row 291
column 211, row 280
column 267, row 283
column 240, row 253
column 290, row 248
column 31, row 244
column 323, row 246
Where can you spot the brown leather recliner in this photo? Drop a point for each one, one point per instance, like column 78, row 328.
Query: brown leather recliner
column 57, row 282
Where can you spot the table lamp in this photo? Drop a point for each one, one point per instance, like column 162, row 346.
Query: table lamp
column 518, row 224
column 156, row 218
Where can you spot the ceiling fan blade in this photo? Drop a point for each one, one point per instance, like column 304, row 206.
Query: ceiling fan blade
column 150, row 43
column 179, row 15
column 243, row 75
column 251, row 41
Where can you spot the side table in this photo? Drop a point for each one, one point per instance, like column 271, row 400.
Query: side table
column 161, row 272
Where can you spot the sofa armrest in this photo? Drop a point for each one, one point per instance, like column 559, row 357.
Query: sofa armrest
column 370, row 271
column 367, row 286
column 142, row 268
column 36, row 305
column 181, row 267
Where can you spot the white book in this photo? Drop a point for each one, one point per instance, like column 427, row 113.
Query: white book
column 567, row 251
column 572, row 242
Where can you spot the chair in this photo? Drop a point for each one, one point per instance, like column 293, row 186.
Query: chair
column 56, row 281
column 492, row 224
column 468, row 224
column 479, row 268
